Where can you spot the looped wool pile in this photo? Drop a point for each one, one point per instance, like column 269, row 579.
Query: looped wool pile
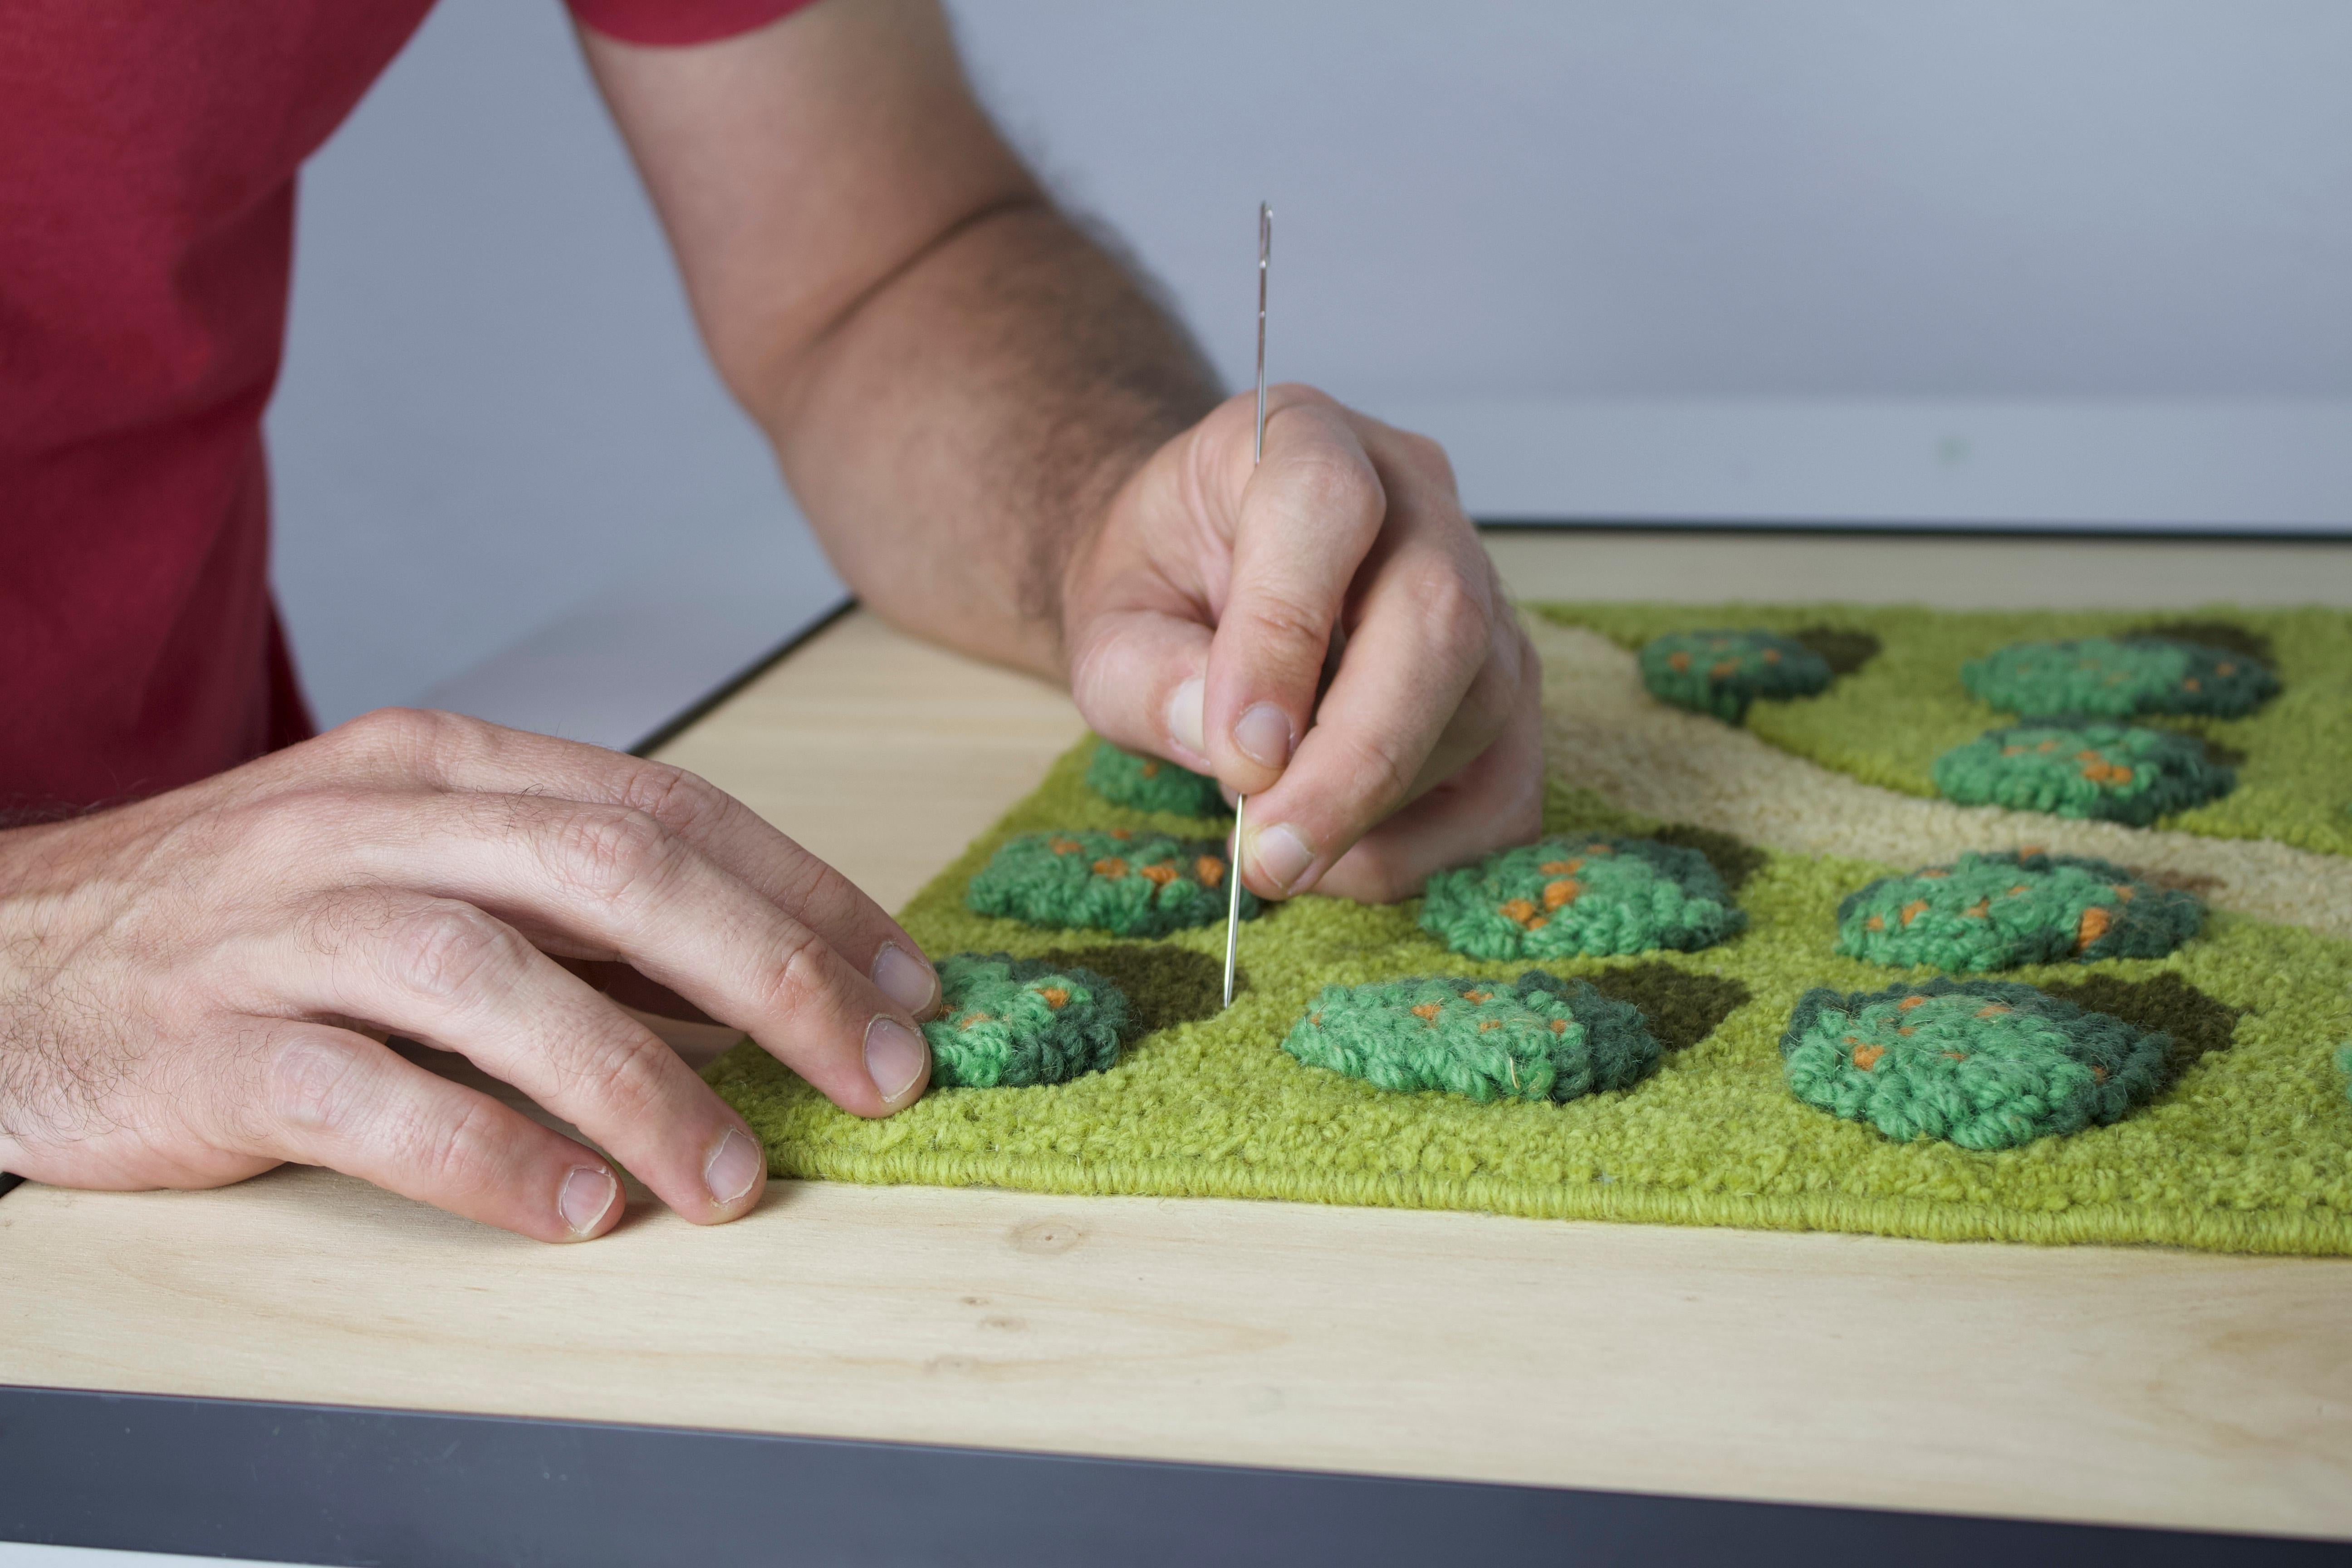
column 1536, row 1039
column 1147, row 784
column 2120, row 676
column 1997, row 911
column 1008, row 1022
column 1723, row 672
column 1985, row 1064
column 1125, row 882
column 2083, row 768
column 1587, row 893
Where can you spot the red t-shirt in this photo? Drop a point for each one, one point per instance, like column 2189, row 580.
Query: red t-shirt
column 147, row 159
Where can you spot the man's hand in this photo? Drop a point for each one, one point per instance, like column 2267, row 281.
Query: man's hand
column 193, row 988
column 1202, row 620
column 1007, row 446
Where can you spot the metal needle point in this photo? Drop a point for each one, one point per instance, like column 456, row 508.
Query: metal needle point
column 1257, row 455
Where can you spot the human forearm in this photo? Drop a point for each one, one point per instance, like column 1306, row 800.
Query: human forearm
column 955, row 435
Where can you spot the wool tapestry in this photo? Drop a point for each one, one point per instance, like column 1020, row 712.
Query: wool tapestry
column 2026, row 926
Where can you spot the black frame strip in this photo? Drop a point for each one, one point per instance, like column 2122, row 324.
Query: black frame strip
column 327, row 1484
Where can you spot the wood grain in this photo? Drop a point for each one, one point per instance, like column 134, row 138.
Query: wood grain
column 2142, row 1386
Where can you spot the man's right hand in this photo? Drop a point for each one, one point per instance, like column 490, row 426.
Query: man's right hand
column 188, row 984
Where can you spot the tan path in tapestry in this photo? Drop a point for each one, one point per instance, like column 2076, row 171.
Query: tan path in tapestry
column 1604, row 732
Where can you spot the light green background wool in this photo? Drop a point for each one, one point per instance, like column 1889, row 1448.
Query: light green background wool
column 1996, row 911
column 1888, row 722
column 2250, row 1150
column 1987, row 1064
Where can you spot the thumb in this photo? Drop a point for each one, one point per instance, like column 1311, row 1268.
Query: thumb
column 1138, row 676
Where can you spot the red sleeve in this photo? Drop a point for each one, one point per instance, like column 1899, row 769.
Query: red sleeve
column 679, row 21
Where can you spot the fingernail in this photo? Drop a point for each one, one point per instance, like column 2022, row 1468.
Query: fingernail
column 733, row 1168
column 1184, row 723
column 906, row 979
column 1280, row 855
column 587, row 1194
column 1263, row 735
column 894, row 1057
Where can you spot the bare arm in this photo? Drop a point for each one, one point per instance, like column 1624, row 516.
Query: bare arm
column 1008, row 446
column 956, row 378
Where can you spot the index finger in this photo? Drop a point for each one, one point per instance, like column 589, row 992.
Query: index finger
column 450, row 753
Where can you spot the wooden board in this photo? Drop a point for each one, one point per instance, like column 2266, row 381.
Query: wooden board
column 2141, row 1386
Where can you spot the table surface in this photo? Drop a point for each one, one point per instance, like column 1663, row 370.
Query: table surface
column 2099, row 1385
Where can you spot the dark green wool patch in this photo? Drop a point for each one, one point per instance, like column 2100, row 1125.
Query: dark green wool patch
column 1997, row 911
column 1165, row 986
column 1842, row 649
column 1538, row 1039
column 2344, row 1066
column 2228, row 637
column 1010, row 1022
column 1147, row 784
column 1984, row 1064
column 2085, row 768
column 1584, row 893
column 2117, row 677
column 1721, row 672
column 1128, row 883
column 1734, row 859
column 2163, row 1004
column 1680, row 1008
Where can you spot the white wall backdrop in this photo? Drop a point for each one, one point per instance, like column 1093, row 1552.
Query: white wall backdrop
column 1828, row 258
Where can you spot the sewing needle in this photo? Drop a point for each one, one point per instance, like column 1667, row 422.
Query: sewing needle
column 1257, row 455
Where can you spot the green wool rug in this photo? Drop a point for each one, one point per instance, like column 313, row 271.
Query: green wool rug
column 2239, row 1139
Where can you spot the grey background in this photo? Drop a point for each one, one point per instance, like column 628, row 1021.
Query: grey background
column 2009, row 259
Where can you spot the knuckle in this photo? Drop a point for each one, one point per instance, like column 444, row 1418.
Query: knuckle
column 678, row 800
column 1457, row 616
column 1380, row 774
column 801, row 980
column 446, row 950
column 415, row 741
column 1323, row 481
column 461, row 1153
column 1278, row 614
column 617, row 854
column 621, row 1072
column 312, row 1084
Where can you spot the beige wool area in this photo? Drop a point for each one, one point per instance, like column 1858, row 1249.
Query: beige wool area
column 1604, row 732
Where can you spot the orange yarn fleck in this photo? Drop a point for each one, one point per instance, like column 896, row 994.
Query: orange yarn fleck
column 2096, row 920
column 1426, row 1012
column 1866, row 1057
column 1055, row 997
column 1560, row 892
column 1210, row 869
column 1113, row 868
column 1914, row 909
column 1164, row 875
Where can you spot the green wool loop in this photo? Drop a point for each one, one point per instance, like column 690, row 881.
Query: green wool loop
column 1125, row 882
column 1721, row 672
column 1538, row 1037
column 1147, row 784
column 2119, row 677
column 2084, row 767
column 1996, row 911
column 1008, row 1022
column 1985, row 1064
column 2344, row 1066
column 1581, row 893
